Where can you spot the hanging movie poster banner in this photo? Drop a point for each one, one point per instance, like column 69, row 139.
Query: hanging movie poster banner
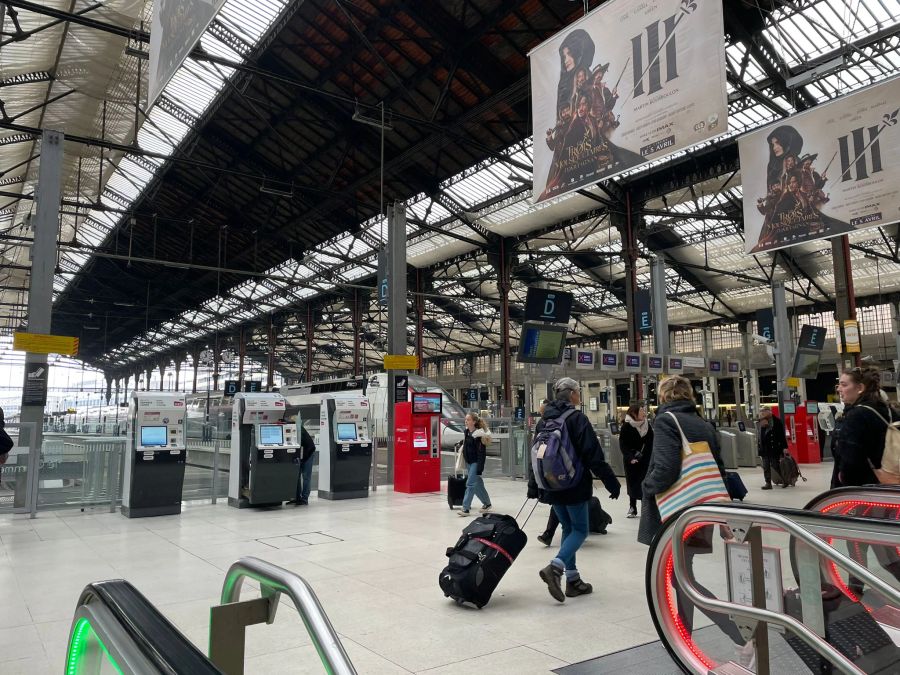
column 629, row 83
column 823, row 172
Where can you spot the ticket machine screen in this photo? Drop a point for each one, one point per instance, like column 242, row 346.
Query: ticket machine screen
column 153, row 437
column 346, row 431
column 271, row 434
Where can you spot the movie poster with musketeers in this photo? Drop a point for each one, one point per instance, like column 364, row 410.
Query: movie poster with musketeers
column 824, row 172
column 633, row 81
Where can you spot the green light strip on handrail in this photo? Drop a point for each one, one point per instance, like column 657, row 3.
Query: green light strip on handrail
column 77, row 647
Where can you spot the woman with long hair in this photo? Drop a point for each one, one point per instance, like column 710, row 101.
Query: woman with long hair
column 636, row 443
column 475, row 454
column 859, row 440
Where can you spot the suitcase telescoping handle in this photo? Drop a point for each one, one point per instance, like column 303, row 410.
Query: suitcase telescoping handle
column 522, row 526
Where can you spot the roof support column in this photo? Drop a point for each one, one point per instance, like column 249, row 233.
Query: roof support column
column 504, row 285
column 217, row 360
column 356, row 323
column 310, row 342
column 783, row 346
column 419, row 302
column 270, row 360
column 162, row 374
column 625, row 223
column 396, row 329
column 40, row 306
column 242, row 353
column 658, row 305
column 195, row 358
column 844, row 297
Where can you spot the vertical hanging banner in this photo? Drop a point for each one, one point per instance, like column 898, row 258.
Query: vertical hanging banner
column 629, row 83
column 824, row 172
column 174, row 32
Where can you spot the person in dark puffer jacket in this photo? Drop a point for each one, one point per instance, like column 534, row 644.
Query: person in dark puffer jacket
column 475, row 454
column 572, row 505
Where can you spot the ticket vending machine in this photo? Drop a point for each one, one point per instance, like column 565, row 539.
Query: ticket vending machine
column 155, row 455
column 417, row 444
column 807, row 433
column 345, row 446
column 263, row 447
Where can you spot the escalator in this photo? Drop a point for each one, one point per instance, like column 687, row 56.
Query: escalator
column 742, row 589
column 116, row 630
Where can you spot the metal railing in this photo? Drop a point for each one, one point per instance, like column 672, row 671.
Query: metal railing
column 807, row 528
column 226, row 649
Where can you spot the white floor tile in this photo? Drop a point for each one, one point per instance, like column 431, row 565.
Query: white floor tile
column 373, row 564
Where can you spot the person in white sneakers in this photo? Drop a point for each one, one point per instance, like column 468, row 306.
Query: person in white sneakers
column 475, row 454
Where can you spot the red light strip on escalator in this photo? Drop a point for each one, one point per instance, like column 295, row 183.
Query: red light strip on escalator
column 683, row 633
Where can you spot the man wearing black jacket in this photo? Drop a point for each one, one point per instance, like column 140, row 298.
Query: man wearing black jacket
column 572, row 505
column 772, row 443
column 304, row 480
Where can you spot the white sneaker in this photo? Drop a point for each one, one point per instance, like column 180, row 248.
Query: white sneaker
column 463, row 514
column 632, row 513
column 485, row 509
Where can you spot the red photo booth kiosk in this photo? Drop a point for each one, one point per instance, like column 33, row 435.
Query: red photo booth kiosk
column 417, row 443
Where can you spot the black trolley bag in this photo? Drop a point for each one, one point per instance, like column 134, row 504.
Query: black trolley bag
column 486, row 549
column 456, row 489
column 851, row 629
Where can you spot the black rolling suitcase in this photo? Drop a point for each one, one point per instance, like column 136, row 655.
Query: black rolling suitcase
column 735, row 485
column 456, row 490
column 851, row 629
column 487, row 548
column 789, row 471
column 599, row 519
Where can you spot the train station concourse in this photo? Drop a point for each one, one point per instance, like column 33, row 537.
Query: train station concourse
column 378, row 336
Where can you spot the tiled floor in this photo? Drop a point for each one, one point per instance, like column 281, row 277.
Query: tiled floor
column 373, row 563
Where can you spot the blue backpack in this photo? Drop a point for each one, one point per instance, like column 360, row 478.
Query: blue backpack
column 555, row 462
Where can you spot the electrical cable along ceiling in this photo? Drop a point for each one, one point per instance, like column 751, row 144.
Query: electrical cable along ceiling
column 272, row 201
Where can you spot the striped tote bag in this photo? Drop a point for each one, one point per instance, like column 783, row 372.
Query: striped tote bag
column 700, row 481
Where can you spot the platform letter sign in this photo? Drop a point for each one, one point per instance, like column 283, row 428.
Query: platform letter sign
column 765, row 323
column 253, row 386
column 231, row 387
column 643, row 312
column 824, row 172
column 629, row 83
column 542, row 304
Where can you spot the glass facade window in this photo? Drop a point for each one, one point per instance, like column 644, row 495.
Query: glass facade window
column 874, row 320
column 684, row 341
column 726, row 337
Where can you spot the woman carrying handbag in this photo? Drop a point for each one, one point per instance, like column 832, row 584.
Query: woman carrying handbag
column 686, row 468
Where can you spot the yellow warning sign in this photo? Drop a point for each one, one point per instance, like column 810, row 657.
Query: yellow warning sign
column 793, row 382
column 400, row 362
column 45, row 344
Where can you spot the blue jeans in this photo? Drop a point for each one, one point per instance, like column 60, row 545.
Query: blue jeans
column 475, row 487
column 575, row 519
column 304, row 480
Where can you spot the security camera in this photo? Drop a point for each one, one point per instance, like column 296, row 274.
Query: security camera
column 762, row 340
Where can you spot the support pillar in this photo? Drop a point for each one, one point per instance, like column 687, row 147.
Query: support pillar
column 148, row 373
column 356, row 323
column 419, row 302
column 109, row 381
column 844, row 297
column 195, row 362
column 179, row 358
column 162, row 375
column 270, row 360
column 659, row 306
column 242, row 353
column 310, row 342
column 504, row 286
column 40, row 305
column 624, row 222
column 397, row 311
column 783, row 348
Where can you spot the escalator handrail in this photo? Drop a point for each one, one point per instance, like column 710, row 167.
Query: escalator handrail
column 828, row 495
column 154, row 635
column 723, row 512
column 276, row 579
